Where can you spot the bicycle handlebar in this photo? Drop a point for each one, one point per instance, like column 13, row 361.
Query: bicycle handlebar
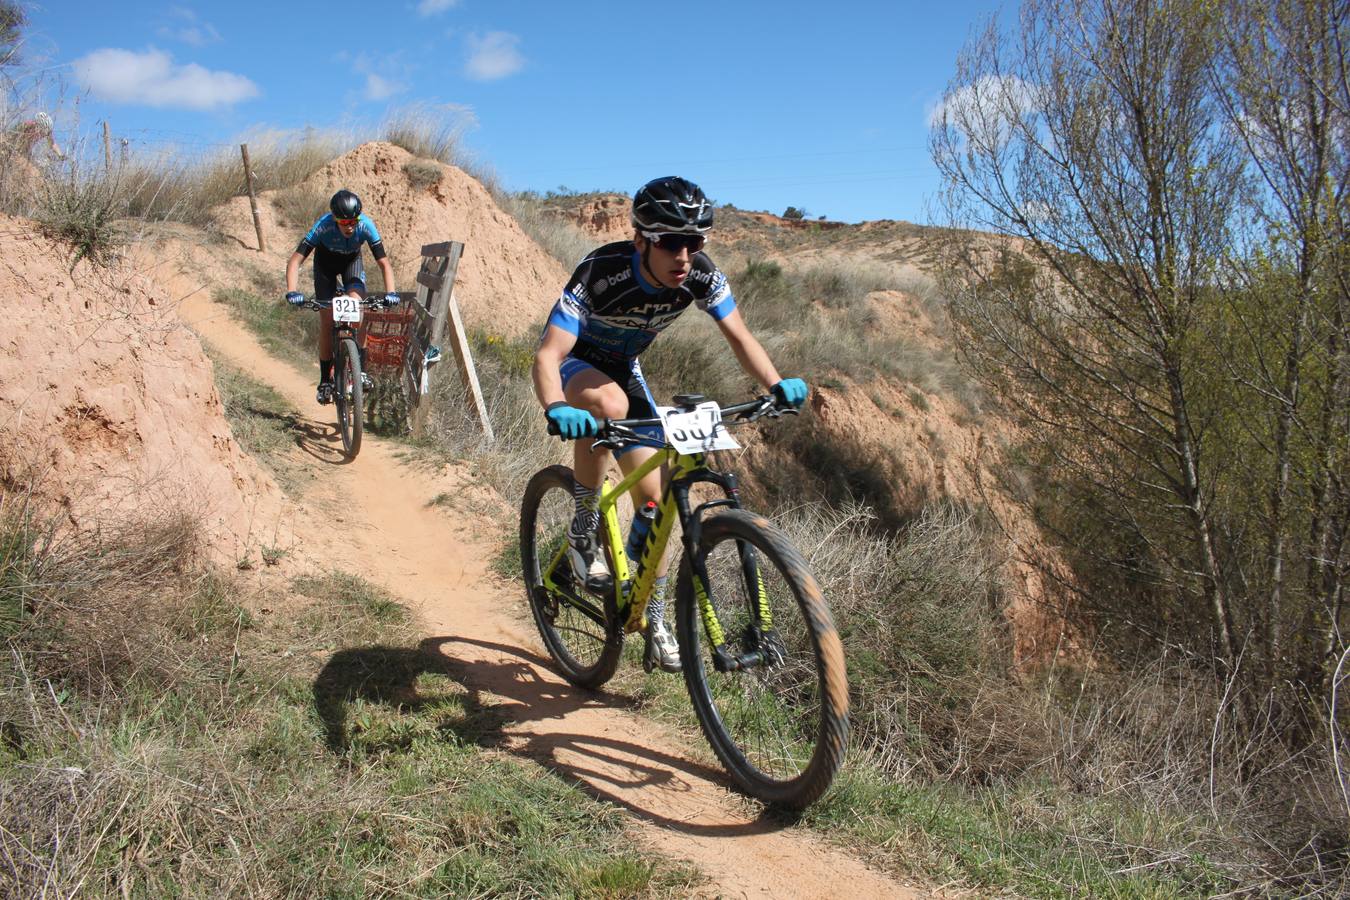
column 617, row 433
column 366, row 302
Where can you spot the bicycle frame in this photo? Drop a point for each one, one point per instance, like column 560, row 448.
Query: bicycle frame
column 632, row 594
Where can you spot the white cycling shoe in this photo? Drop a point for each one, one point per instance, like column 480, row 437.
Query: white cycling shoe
column 588, row 562
column 663, row 651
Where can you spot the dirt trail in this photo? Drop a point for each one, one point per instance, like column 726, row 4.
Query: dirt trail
column 680, row 808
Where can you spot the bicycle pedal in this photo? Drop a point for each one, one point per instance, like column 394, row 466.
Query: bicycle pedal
column 601, row 587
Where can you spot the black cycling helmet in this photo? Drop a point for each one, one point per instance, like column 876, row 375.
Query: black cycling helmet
column 345, row 205
column 671, row 204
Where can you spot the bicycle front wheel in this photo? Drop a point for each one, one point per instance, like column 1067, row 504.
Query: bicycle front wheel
column 763, row 661
column 348, row 393
column 581, row 631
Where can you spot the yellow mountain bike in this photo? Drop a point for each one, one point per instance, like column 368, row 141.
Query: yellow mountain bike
column 762, row 659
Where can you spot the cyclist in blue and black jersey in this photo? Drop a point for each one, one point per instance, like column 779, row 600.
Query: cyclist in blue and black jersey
column 617, row 301
column 336, row 241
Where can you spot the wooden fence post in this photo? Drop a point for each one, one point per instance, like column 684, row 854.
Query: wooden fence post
column 459, row 341
column 435, row 308
column 107, row 147
column 252, row 199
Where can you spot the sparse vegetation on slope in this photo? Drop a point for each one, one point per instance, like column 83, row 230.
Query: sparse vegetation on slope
column 167, row 728
column 1054, row 783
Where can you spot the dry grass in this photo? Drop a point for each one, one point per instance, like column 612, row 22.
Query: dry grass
column 157, row 737
column 563, row 240
column 522, row 444
column 422, row 173
column 428, row 132
column 163, row 188
column 1138, row 782
column 300, row 204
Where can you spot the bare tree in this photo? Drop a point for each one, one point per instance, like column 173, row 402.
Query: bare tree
column 1153, row 278
column 1093, row 143
column 12, row 22
column 1282, row 73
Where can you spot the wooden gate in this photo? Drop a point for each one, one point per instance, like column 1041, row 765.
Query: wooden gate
column 405, row 334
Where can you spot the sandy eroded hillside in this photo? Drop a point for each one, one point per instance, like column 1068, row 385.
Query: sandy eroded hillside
column 107, row 402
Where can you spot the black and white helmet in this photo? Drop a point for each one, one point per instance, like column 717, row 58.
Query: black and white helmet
column 345, row 205
column 671, row 204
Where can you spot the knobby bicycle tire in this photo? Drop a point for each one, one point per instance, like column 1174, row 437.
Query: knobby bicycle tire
column 347, row 378
column 781, row 730
column 581, row 632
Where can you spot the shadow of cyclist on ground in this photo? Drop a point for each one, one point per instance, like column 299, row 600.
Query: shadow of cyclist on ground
column 388, row 677
column 320, row 441
column 654, row 786
column 380, row 699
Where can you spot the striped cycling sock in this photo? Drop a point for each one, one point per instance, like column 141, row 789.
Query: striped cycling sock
column 587, row 502
column 656, row 606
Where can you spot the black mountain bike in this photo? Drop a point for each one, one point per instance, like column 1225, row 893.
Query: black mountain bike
column 348, row 392
column 762, row 660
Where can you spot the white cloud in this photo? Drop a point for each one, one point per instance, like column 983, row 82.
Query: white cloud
column 189, row 29
column 153, row 79
column 985, row 111
column 379, row 88
column 493, row 55
column 431, row 7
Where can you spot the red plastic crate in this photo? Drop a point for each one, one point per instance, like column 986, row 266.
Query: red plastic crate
column 387, row 334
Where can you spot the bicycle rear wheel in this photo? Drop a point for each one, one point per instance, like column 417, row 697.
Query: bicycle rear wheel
column 779, row 724
column 581, row 631
column 349, row 395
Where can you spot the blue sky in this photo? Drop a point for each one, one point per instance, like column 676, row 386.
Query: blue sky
column 767, row 105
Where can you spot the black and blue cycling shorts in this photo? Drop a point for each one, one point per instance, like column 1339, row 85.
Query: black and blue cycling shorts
column 627, row 374
column 337, row 273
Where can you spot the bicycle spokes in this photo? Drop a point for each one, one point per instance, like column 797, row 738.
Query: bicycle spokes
column 758, row 683
column 578, row 632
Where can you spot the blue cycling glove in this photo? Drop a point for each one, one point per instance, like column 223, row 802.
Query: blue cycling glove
column 392, row 299
column 790, row 392
column 295, row 298
column 572, row 423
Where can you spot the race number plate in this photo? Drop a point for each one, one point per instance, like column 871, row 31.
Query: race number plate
column 699, row 431
column 346, row 309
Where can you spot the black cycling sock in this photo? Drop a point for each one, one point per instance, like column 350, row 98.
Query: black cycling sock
column 325, row 370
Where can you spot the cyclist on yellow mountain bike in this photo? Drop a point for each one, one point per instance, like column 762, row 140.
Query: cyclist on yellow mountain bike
column 337, row 238
column 617, row 301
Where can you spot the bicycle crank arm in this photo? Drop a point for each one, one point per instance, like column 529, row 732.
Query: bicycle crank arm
column 725, row 661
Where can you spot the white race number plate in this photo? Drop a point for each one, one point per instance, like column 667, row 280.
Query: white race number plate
column 346, row 309
column 698, row 431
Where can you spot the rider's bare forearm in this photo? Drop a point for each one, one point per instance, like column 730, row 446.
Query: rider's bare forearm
column 388, row 272
column 293, row 271
column 553, row 349
column 547, row 381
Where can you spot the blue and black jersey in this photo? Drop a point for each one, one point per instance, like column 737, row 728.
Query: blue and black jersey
column 615, row 313
column 337, row 260
column 326, row 236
